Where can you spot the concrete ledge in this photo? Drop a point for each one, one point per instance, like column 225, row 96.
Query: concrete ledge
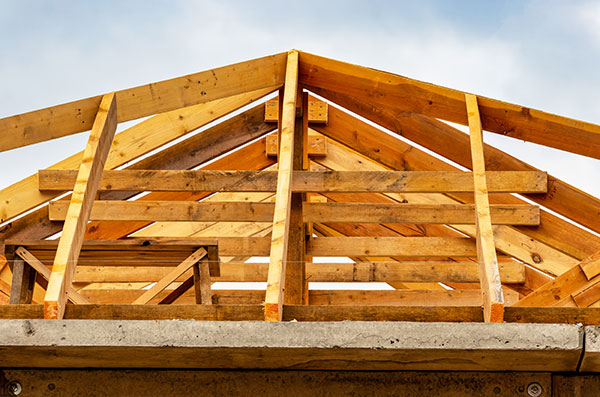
column 591, row 356
column 290, row 345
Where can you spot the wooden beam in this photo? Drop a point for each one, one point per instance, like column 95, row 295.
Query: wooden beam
column 303, row 181
column 317, row 111
column 172, row 276
column 281, row 218
column 162, row 211
column 417, row 213
column 392, row 246
column 202, row 283
column 23, row 281
column 405, row 94
column 317, row 146
column 90, row 171
column 491, row 287
column 455, row 145
column 563, row 286
column 398, row 298
column 34, row 262
column 465, row 271
column 295, row 268
column 166, row 211
column 380, row 151
column 146, row 100
column 141, row 139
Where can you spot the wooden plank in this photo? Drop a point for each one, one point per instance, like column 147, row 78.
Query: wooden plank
column 491, row 287
column 591, row 266
column 317, row 111
column 23, row 280
column 417, row 213
column 398, row 298
column 392, row 246
column 317, row 146
column 410, row 271
column 295, row 268
column 161, row 211
column 146, row 100
column 281, row 218
column 392, row 152
column 45, row 272
column 405, row 94
column 228, row 246
column 203, row 282
column 137, row 141
column 304, row 181
column 172, row 276
column 454, row 145
column 561, row 287
column 90, row 171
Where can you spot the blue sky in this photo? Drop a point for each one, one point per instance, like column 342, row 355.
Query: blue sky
column 541, row 54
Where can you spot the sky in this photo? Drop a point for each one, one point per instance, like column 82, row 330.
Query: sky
column 544, row 54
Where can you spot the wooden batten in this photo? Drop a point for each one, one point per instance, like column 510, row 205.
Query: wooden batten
column 491, row 287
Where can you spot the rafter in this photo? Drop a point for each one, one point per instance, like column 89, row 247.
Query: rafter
column 414, row 96
column 90, row 171
column 454, row 145
column 163, row 96
column 130, row 144
column 491, row 287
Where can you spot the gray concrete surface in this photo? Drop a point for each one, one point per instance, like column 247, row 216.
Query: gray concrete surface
column 297, row 345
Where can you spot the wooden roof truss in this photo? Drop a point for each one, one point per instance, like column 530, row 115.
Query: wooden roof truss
column 294, row 178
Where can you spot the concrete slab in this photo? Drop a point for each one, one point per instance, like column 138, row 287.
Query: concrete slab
column 290, row 345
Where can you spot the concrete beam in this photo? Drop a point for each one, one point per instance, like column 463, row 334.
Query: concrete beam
column 290, row 345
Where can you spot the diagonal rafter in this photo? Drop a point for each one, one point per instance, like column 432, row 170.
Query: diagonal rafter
column 491, row 287
column 90, row 171
column 448, row 104
column 146, row 100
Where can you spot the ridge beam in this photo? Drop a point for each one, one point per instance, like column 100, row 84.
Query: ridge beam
column 491, row 287
column 84, row 192
column 281, row 217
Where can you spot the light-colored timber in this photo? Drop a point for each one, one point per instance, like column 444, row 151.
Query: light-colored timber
column 80, row 206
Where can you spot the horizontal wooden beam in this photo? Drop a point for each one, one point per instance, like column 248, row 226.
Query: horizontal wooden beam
column 322, row 246
column 470, row 297
column 417, row 213
column 316, row 145
column 392, row 246
column 559, row 315
column 163, row 211
column 302, row 181
column 317, row 111
column 146, row 100
column 414, row 271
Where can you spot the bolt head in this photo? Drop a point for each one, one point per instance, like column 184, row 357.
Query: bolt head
column 534, row 389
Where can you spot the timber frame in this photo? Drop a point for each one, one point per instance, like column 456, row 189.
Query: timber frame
column 288, row 170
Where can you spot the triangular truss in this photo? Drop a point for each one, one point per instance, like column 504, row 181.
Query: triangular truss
column 293, row 178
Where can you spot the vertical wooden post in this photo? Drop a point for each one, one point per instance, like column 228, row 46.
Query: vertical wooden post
column 295, row 270
column 281, row 216
column 23, row 281
column 90, row 171
column 491, row 287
